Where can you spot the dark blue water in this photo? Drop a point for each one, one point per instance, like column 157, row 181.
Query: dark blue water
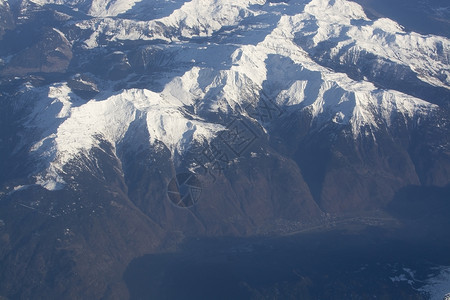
column 332, row 265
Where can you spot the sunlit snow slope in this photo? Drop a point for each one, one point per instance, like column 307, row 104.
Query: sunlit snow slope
column 218, row 58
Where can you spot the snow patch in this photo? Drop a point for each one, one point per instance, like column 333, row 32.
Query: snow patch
column 438, row 287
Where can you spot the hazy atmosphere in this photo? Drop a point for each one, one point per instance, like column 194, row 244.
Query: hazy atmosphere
column 217, row 149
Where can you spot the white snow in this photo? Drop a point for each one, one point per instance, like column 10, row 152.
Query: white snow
column 427, row 55
column 195, row 18
column 105, row 8
column 17, row 189
column 402, row 278
column 340, row 21
column 87, row 125
column 227, row 77
column 97, row 8
column 437, row 287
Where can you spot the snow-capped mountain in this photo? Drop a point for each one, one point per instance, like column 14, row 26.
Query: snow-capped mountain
column 236, row 65
column 286, row 113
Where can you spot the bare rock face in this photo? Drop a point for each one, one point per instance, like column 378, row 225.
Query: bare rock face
column 74, row 244
column 83, row 85
column 51, row 54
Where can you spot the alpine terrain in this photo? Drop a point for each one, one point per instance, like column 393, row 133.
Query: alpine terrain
column 141, row 137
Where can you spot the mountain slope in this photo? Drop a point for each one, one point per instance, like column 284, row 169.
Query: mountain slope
column 127, row 127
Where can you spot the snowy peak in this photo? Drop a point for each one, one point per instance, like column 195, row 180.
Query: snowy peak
column 95, row 8
column 164, row 117
column 85, row 127
column 203, row 62
column 348, row 11
column 340, row 28
column 350, row 35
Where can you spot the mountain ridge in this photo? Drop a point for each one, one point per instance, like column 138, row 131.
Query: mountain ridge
column 286, row 116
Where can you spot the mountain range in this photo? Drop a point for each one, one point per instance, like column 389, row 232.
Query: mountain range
column 128, row 127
